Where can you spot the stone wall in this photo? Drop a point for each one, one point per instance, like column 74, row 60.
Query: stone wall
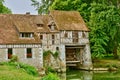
column 37, row 55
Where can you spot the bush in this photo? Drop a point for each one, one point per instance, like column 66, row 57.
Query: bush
column 14, row 58
column 49, row 69
column 56, row 54
column 47, row 53
column 29, row 69
column 50, row 76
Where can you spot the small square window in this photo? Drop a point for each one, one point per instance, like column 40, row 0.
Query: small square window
column 41, row 36
column 57, row 48
column 39, row 25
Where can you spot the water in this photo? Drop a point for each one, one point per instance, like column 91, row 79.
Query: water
column 90, row 75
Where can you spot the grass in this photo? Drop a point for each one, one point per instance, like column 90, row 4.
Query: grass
column 11, row 72
column 106, row 63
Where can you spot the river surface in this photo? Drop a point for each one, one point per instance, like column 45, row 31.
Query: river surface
column 90, row 75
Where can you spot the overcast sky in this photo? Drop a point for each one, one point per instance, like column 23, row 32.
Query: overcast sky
column 20, row 6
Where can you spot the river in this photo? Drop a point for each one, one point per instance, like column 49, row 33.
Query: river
column 90, row 75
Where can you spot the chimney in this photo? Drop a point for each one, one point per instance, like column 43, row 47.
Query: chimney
column 28, row 13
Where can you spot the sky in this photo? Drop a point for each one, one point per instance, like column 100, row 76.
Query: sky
column 20, row 6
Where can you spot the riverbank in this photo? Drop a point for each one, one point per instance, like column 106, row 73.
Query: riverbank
column 15, row 71
column 106, row 64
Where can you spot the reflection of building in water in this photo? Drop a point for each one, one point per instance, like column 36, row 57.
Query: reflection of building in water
column 62, row 76
column 79, row 75
column 87, row 75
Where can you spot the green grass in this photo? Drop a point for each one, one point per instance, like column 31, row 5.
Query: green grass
column 11, row 72
column 107, row 63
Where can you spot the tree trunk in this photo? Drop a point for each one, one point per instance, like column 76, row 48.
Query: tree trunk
column 115, row 53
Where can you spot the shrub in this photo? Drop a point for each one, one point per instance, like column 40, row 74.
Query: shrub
column 56, row 54
column 46, row 53
column 49, row 69
column 29, row 69
column 50, row 76
column 14, row 58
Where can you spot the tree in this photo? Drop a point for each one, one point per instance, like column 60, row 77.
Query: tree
column 114, row 30
column 4, row 9
column 104, row 23
column 42, row 6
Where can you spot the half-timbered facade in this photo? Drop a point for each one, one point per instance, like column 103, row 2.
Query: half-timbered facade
column 27, row 36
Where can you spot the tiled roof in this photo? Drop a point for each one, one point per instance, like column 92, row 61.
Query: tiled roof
column 68, row 20
column 9, row 33
column 11, row 25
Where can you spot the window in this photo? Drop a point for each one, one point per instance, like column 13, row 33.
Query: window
column 83, row 34
column 26, row 35
column 29, row 53
column 10, row 53
column 57, row 48
column 66, row 35
column 53, row 37
column 75, row 36
column 41, row 36
column 39, row 25
column 53, row 41
column 52, row 27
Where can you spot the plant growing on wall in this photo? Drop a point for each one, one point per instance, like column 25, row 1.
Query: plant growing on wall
column 46, row 54
column 49, row 58
column 55, row 54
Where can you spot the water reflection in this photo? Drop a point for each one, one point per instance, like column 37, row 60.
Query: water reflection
column 79, row 75
column 62, row 76
column 89, row 75
column 76, row 75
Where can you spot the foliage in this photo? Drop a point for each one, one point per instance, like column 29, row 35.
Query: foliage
column 42, row 6
column 47, row 53
column 14, row 58
column 47, row 63
column 56, row 54
column 4, row 9
column 10, row 71
column 104, row 27
column 49, row 69
column 50, row 76
column 27, row 68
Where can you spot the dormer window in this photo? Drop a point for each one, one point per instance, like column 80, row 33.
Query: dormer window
column 52, row 27
column 26, row 35
column 39, row 25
